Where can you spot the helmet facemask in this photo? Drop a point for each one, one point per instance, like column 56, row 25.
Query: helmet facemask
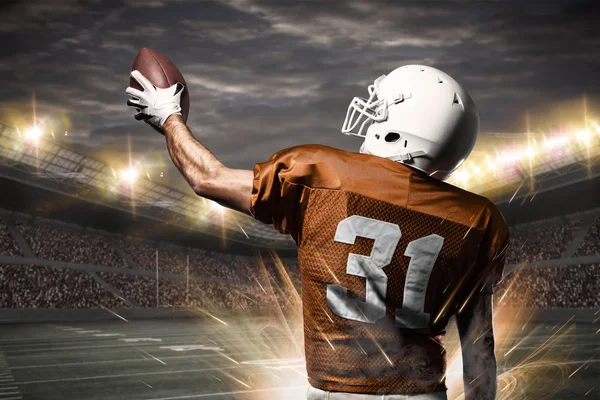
column 363, row 112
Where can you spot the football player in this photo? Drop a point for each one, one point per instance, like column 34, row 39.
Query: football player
column 388, row 251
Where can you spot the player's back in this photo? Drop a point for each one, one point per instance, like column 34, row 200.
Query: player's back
column 387, row 255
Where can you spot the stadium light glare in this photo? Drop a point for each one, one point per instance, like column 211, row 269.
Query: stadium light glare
column 129, row 175
column 476, row 169
column 490, row 164
column 216, row 206
column 530, row 153
column 556, row 141
column 584, row 136
column 462, row 175
column 33, row 134
column 509, row 157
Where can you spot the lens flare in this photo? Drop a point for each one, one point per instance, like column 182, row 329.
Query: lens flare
column 129, row 175
column 33, row 134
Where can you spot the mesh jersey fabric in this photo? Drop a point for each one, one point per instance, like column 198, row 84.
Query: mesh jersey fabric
column 307, row 191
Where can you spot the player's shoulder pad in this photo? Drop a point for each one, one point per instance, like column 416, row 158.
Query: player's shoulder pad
column 304, row 153
column 497, row 231
column 312, row 165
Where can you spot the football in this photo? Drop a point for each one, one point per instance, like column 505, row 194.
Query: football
column 162, row 72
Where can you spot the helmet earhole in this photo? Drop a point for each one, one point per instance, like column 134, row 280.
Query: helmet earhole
column 392, row 137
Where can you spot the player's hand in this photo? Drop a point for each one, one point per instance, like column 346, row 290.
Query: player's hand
column 154, row 105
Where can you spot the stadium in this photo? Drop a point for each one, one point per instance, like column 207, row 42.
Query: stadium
column 123, row 278
column 114, row 286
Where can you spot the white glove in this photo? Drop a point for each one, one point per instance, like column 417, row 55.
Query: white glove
column 154, row 105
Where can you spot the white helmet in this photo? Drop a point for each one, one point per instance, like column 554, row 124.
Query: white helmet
column 416, row 115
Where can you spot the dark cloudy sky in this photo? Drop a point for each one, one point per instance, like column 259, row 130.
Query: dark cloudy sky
column 266, row 74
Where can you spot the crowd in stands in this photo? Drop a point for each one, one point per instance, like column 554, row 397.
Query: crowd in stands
column 591, row 243
column 8, row 246
column 56, row 244
column 247, row 293
column 236, row 282
column 541, row 243
column 556, row 287
column 26, row 286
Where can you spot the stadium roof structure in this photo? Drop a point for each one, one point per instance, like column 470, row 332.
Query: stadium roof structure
column 546, row 161
column 60, row 169
column 556, row 162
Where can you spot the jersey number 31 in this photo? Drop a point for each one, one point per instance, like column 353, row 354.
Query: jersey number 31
column 423, row 253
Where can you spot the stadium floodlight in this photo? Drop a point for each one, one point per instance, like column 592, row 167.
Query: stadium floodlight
column 33, row 134
column 59, row 163
column 129, row 175
column 556, row 141
column 530, row 153
column 584, row 135
column 509, row 157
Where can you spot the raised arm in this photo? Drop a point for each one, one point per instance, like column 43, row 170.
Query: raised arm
column 160, row 108
column 208, row 177
column 474, row 325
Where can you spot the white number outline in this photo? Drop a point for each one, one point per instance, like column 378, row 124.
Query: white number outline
column 423, row 253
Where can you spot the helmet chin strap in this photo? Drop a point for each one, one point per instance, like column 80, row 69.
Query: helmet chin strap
column 400, row 157
column 403, row 158
column 408, row 156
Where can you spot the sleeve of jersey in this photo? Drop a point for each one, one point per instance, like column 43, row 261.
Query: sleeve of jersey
column 279, row 190
column 493, row 252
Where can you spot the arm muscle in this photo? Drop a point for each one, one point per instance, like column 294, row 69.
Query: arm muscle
column 208, row 177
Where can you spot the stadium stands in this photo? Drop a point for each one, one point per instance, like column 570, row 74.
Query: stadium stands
column 61, row 245
column 561, row 287
column 8, row 245
column 541, row 243
column 591, row 242
column 25, row 286
column 235, row 282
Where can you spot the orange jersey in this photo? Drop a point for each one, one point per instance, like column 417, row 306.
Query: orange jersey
column 387, row 255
